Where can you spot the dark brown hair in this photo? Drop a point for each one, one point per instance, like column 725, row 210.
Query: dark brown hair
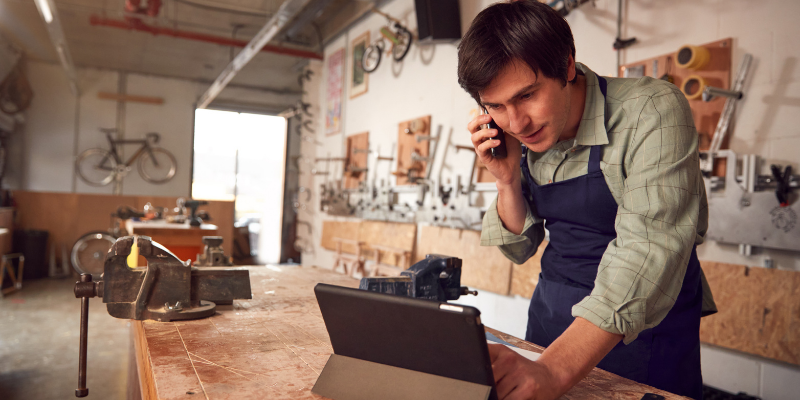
column 526, row 30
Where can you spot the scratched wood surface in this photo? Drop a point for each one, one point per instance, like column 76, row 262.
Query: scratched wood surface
column 275, row 345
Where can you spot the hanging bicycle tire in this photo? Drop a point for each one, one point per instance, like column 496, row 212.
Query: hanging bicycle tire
column 89, row 252
column 403, row 45
column 96, row 167
column 157, row 165
column 372, row 57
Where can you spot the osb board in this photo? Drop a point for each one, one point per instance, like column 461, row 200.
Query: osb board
column 716, row 73
column 339, row 229
column 389, row 234
column 759, row 311
column 407, row 144
column 357, row 148
column 67, row 216
column 482, row 267
column 524, row 277
column 275, row 345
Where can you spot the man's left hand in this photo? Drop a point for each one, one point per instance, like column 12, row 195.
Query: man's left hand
column 518, row 378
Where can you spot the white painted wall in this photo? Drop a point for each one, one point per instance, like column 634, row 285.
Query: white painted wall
column 425, row 83
column 59, row 126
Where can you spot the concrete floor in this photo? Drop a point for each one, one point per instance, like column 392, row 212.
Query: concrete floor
column 39, row 335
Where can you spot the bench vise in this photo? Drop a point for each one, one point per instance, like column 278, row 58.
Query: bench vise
column 436, row 278
column 166, row 289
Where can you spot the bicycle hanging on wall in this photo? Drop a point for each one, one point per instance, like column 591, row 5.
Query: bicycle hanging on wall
column 399, row 39
column 99, row 167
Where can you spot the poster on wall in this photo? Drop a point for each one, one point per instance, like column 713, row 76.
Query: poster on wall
column 358, row 78
column 333, row 116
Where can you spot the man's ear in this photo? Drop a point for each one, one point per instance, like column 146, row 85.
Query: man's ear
column 571, row 71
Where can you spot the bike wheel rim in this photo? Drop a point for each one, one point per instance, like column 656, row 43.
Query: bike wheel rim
column 89, row 253
column 167, row 166
column 90, row 169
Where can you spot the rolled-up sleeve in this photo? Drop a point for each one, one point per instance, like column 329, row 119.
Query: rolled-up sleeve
column 641, row 272
column 517, row 248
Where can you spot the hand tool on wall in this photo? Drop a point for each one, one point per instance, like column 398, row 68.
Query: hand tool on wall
column 437, row 277
column 167, row 289
column 707, row 163
column 783, row 189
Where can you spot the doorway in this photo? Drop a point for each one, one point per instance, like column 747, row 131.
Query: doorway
column 241, row 157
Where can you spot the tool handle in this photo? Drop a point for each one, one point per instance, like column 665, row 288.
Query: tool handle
column 84, row 290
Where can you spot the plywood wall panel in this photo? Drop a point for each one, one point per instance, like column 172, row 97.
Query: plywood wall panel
column 407, row 144
column 759, row 311
column 52, row 212
column 357, row 151
column 341, row 229
column 483, row 267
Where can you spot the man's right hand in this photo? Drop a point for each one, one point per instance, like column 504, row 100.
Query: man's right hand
column 506, row 171
column 511, row 206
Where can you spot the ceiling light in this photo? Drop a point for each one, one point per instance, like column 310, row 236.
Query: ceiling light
column 44, row 8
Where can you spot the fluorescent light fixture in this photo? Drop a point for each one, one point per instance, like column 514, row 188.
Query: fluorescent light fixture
column 44, row 8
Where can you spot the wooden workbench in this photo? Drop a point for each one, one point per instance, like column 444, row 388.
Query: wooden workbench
column 275, row 345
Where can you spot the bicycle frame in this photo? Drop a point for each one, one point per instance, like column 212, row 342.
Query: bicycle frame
column 114, row 143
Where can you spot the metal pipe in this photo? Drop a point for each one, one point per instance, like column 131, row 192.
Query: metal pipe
column 82, row 390
column 138, row 25
column 619, row 34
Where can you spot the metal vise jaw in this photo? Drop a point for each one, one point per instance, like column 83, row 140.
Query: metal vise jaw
column 167, row 289
column 213, row 255
column 436, row 278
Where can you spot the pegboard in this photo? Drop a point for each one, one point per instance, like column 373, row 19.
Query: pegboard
column 716, row 73
column 355, row 165
column 408, row 144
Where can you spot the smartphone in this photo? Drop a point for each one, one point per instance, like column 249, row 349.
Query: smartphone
column 500, row 150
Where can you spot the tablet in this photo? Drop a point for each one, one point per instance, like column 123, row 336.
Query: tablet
column 420, row 335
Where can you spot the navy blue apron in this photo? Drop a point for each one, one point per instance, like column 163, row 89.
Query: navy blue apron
column 580, row 215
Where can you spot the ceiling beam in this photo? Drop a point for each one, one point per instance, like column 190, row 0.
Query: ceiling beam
column 285, row 13
column 47, row 9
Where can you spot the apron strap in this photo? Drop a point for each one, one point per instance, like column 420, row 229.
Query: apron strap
column 526, row 173
column 594, row 155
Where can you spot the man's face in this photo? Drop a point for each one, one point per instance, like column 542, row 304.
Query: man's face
column 532, row 109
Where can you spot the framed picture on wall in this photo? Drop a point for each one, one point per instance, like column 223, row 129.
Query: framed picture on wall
column 358, row 78
column 334, row 92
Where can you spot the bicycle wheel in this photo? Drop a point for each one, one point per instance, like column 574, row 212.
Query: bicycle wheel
column 90, row 251
column 371, row 58
column 403, row 45
column 96, row 167
column 157, row 165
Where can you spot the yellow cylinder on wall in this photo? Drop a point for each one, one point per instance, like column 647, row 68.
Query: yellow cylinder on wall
column 692, row 57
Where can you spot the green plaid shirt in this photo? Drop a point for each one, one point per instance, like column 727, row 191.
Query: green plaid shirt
column 651, row 165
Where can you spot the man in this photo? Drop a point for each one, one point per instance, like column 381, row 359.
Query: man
column 611, row 167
